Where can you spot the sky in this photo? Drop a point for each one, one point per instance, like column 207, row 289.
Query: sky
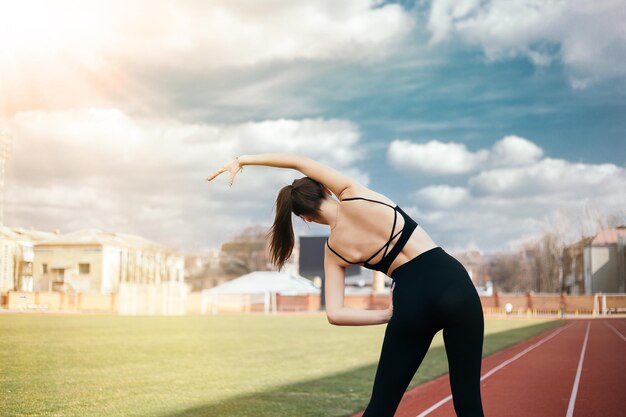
column 482, row 119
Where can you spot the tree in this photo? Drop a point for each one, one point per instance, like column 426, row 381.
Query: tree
column 560, row 229
column 507, row 272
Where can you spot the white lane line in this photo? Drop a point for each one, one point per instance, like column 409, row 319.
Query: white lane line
column 497, row 368
column 616, row 331
column 572, row 398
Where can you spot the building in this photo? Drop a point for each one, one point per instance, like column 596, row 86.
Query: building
column 203, row 270
column 596, row 263
column 96, row 261
column 16, row 257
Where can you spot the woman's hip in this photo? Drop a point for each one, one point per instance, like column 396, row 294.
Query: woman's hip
column 433, row 264
column 432, row 285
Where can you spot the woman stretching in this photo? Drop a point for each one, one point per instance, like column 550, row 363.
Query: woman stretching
column 431, row 290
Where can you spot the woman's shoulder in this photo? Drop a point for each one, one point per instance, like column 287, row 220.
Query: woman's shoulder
column 359, row 190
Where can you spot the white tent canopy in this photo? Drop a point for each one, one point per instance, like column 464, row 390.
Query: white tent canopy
column 271, row 281
column 258, row 287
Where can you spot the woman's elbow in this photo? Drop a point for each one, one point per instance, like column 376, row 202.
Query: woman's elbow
column 332, row 319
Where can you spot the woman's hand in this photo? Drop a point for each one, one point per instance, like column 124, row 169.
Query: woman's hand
column 390, row 308
column 233, row 167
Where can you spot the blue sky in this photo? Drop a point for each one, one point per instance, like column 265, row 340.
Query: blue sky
column 467, row 100
column 484, row 120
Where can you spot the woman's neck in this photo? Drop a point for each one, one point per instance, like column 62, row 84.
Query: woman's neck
column 328, row 212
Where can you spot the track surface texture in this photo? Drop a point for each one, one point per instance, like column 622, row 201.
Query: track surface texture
column 575, row 370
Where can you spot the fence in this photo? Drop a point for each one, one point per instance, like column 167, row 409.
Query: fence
column 165, row 298
column 542, row 304
column 59, row 301
column 172, row 298
column 526, row 304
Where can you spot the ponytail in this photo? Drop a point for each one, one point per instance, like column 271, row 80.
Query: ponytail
column 303, row 197
column 282, row 237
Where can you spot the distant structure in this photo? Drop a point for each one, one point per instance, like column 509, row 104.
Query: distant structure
column 596, row 263
column 256, row 291
column 86, row 261
column 17, row 256
column 203, row 270
column 97, row 261
column 246, row 252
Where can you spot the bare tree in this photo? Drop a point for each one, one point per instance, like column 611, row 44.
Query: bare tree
column 593, row 219
column 508, row 272
column 246, row 252
column 562, row 228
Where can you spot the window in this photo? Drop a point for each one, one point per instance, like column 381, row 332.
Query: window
column 44, row 268
column 83, row 268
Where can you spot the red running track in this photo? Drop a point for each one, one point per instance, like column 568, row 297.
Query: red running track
column 575, row 370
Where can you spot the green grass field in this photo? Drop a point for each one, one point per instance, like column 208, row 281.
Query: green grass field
column 214, row 366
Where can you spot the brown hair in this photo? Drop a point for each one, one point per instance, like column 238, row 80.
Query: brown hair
column 303, row 197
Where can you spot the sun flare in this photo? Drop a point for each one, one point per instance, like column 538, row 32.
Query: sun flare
column 51, row 51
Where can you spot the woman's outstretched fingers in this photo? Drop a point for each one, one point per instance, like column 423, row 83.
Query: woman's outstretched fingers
column 233, row 167
column 215, row 174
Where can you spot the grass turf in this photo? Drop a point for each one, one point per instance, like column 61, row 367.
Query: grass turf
column 217, row 366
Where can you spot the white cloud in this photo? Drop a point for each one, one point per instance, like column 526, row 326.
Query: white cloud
column 497, row 222
column 227, row 33
column 511, row 194
column 201, row 34
column 108, row 47
column 551, row 177
column 514, row 151
column 103, row 168
column 436, row 157
column 588, row 36
column 441, row 195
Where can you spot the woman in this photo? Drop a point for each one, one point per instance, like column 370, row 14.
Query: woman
column 431, row 290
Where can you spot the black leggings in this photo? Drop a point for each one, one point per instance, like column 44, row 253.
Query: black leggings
column 432, row 291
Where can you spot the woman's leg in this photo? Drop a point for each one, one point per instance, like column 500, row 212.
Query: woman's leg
column 463, row 333
column 464, row 350
column 402, row 353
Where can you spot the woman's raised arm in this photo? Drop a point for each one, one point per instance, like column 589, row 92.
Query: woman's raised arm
column 336, row 181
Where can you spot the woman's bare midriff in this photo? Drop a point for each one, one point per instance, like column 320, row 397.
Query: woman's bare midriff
column 418, row 243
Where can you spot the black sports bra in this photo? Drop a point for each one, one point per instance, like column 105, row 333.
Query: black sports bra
column 387, row 259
